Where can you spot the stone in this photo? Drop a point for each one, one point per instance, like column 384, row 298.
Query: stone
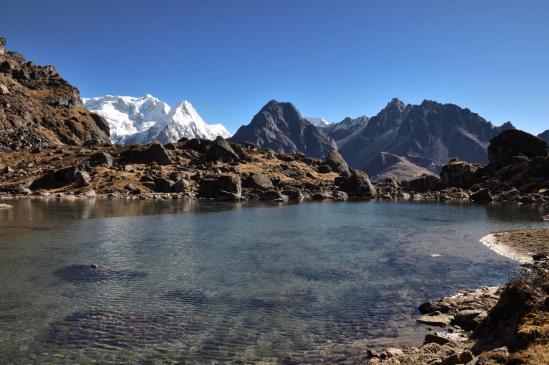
column 466, row 356
column 4, row 90
column 294, row 195
column 221, row 150
column 258, row 181
column 482, row 195
column 392, row 352
column 496, row 356
column 82, row 178
column 357, row 184
column 423, row 183
column 101, row 159
column 163, row 185
column 337, row 162
column 459, row 174
column 433, row 338
column 468, row 319
column 340, row 195
column 219, row 186
column 180, row 186
column 436, row 319
column 451, row 360
column 155, row 153
column 7, row 170
column 274, row 196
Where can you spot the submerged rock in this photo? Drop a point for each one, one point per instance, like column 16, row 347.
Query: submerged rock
column 93, row 274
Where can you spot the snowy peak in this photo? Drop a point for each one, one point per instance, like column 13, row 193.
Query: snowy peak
column 319, row 122
column 146, row 119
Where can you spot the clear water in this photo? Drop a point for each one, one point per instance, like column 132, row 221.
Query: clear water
column 199, row 283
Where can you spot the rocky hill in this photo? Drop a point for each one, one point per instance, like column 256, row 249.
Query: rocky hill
column 39, row 108
column 188, row 169
column 280, row 127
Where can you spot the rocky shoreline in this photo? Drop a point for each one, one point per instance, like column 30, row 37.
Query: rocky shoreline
column 490, row 325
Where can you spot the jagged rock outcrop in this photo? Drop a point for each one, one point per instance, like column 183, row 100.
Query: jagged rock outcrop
column 39, row 108
column 280, row 127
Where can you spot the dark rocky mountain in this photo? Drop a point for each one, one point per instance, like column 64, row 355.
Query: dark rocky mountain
column 39, row 108
column 280, row 126
column 544, row 136
column 427, row 135
column 401, row 141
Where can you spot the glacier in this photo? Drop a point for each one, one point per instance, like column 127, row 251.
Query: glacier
column 146, row 119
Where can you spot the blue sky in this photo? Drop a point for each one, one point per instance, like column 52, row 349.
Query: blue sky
column 330, row 58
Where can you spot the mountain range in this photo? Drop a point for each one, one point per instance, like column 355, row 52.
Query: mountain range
column 134, row 120
column 401, row 141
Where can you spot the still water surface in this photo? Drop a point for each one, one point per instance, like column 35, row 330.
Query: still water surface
column 205, row 282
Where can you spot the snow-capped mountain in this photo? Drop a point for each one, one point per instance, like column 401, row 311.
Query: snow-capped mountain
column 319, row 122
column 146, row 119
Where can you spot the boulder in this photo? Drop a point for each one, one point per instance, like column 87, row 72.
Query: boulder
column 482, row 195
column 357, row 184
column 4, row 90
column 468, row 319
column 82, row 178
column 459, row 174
column 163, row 185
column 258, row 181
column 60, row 178
column 433, row 338
column 423, row 183
column 101, row 159
column 221, row 150
column 496, row 356
column 153, row 153
column 274, row 196
column 229, row 186
column 180, row 186
column 336, row 162
column 514, row 142
column 436, row 319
